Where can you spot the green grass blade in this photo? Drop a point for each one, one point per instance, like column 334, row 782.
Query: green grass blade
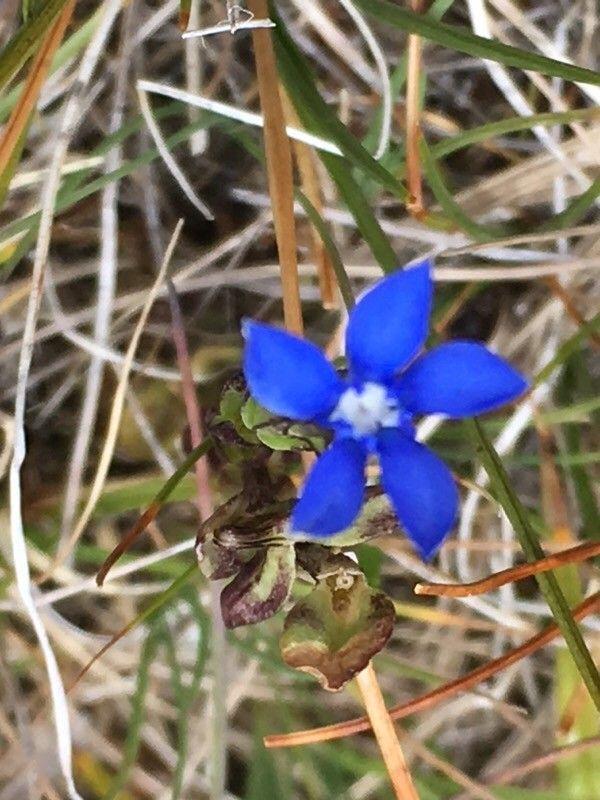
column 450, row 207
column 136, row 719
column 358, row 205
column 531, row 547
column 327, row 239
column 567, row 348
column 574, row 382
column 317, row 117
column 23, row 43
column 466, row 42
column 511, row 125
column 71, row 48
column 187, row 695
column 575, row 210
column 398, row 76
column 316, row 114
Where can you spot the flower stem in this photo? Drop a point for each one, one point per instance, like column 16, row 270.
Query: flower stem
column 386, row 735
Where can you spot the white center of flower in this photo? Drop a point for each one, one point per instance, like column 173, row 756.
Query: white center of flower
column 367, row 410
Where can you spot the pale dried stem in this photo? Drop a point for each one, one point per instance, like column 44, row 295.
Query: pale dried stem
column 279, row 167
column 386, row 735
column 414, row 205
column 311, row 188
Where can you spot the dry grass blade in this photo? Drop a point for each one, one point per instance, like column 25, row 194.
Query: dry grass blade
column 279, row 167
column 547, row 760
column 563, row 295
column 414, row 204
column 310, row 186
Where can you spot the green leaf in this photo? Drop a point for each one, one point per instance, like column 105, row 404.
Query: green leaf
column 283, row 442
column 547, row 582
column 253, row 414
column 466, row 42
column 230, row 408
column 336, row 260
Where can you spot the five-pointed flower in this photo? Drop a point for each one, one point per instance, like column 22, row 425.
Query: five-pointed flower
column 371, row 411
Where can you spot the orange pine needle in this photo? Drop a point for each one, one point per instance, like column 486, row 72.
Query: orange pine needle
column 571, row 556
column 433, row 698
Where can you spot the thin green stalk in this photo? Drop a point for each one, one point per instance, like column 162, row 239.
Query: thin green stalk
column 327, row 239
column 449, row 205
column 567, row 348
column 136, row 718
column 511, row 125
column 533, row 551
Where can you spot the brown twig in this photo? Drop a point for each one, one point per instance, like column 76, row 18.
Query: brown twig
column 279, row 167
column 386, row 736
column 571, row 556
column 433, row 698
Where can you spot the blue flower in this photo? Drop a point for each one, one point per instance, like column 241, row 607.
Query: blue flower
column 371, row 412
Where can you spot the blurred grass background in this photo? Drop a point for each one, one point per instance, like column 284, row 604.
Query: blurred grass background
column 101, row 152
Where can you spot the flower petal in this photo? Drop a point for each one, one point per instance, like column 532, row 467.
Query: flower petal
column 333, row 492
column 459, row 379
column 389, row 324
column 288, row 375
column 420, row 487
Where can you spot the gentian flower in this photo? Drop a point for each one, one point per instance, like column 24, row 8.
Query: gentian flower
column 371, row 412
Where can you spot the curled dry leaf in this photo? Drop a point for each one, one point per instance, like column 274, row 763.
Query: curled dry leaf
column 260, row 588
column 335, row 631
